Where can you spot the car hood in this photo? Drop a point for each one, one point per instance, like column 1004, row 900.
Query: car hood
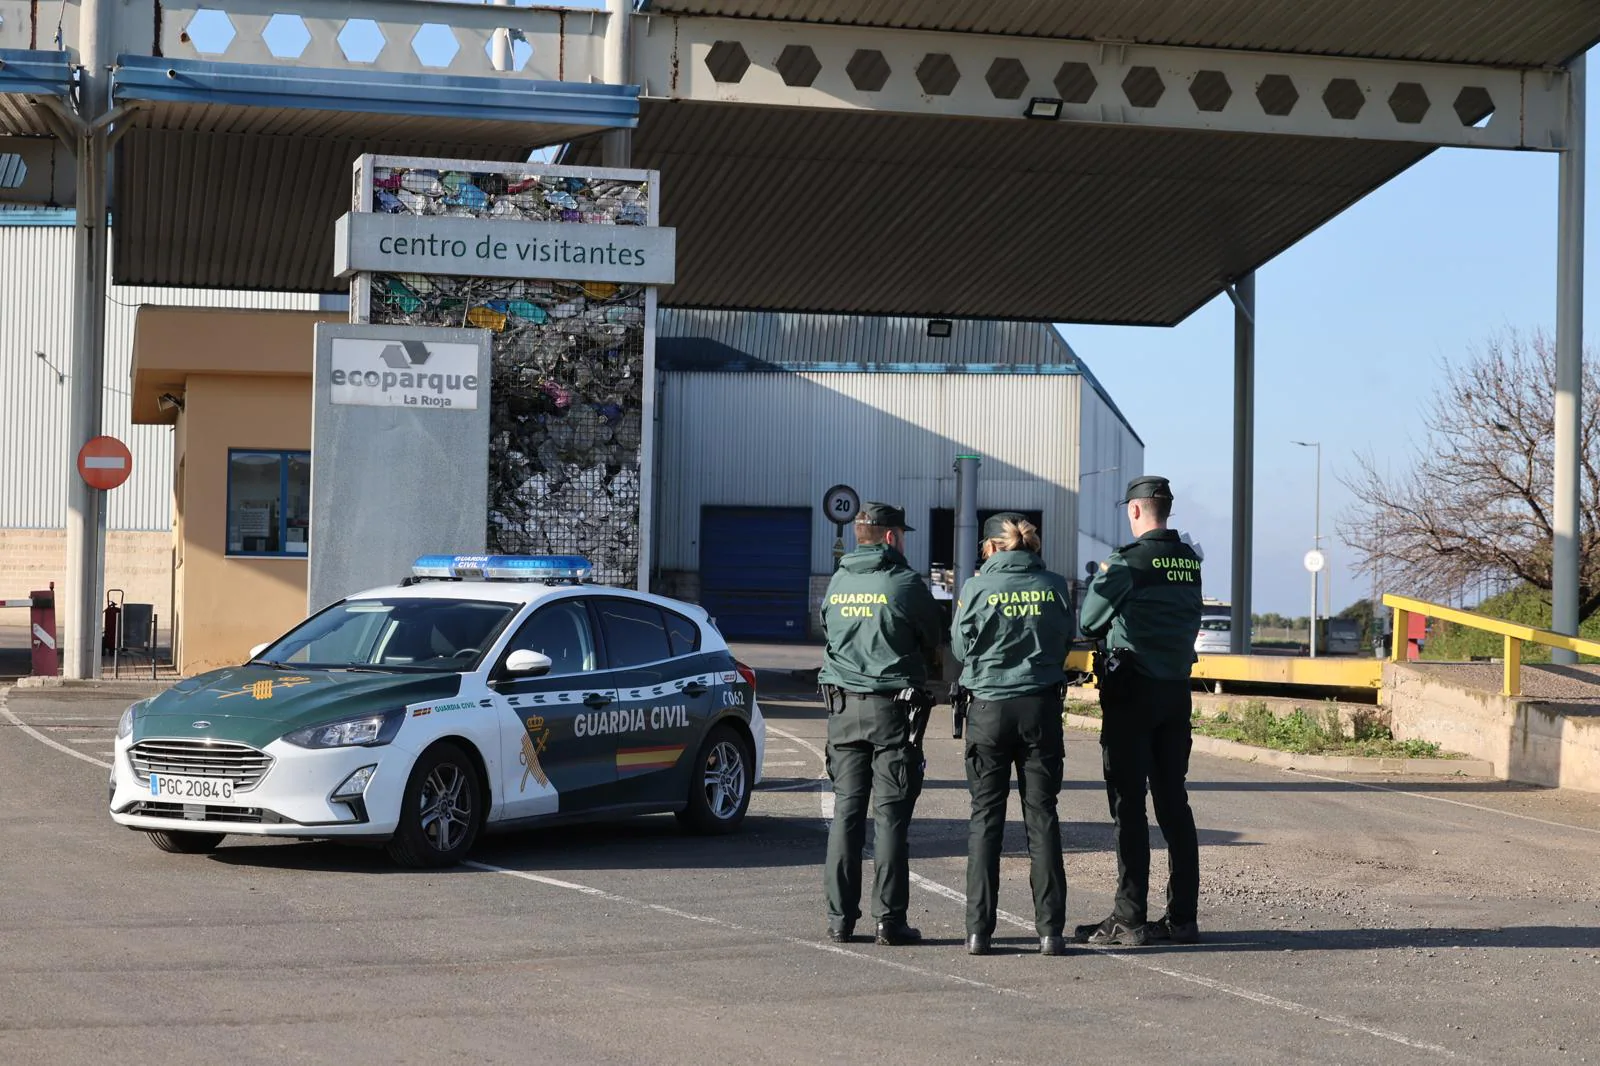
column 256, row 705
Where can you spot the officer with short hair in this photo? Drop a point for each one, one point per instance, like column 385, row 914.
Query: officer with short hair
column 1012, row 630
column 1146, row 603
column 883, row 631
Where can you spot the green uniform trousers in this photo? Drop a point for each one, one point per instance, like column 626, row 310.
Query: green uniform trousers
column 1022, row 732
column 870, row 752
column 1144, row 743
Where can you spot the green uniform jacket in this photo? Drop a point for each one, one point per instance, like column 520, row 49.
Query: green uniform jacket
column 881, row 622
column 1146, row 599
column 1012, row 627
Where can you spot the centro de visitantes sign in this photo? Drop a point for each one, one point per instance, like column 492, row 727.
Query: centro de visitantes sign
column 503, row 248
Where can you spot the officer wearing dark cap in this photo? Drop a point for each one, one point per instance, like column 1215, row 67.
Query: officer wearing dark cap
column 882, row 630
column 1146, row 603
column 1012, row 630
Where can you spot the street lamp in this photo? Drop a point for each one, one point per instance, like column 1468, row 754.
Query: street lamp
column 1316, row 540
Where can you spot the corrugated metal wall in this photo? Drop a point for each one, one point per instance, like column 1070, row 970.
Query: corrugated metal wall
column 36, row 460
column 779, row 337
column 781, row 439
column 1111, row 457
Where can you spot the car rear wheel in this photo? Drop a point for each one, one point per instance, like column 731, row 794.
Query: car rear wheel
column 719, row 783
column 441, row 810
column 185, row 843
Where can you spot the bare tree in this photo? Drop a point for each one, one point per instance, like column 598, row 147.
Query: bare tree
column 1476, row 502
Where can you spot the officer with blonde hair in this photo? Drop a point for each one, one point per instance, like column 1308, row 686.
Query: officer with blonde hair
column 1011, row 631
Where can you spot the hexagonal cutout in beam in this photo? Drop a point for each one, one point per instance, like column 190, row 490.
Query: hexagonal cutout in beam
column 1409, row 102
column 1007, row 78
column 362, row 41
column 937, row 74
column 868, row 70
column 1143, row 87
column 1076, row 83
column 210, row 31
column 435, row 44
column 286, row 36
column 1277, row 94
column 521, row 52
column 1343, row 98
column 798, row 65
column 1474, row 106
column 1210, row 90
column 727, row 62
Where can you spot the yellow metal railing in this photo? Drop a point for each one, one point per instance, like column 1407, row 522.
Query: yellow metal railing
column 1512, row 633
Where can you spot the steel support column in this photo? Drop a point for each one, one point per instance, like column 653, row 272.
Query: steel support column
column 616, row 146
column 1569, row 370
column 85, row 541
column 1243, row 293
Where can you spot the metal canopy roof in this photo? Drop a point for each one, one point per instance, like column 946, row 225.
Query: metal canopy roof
column 867, row 213
column 231, row 174
column 25, row 74
column 1495, row 32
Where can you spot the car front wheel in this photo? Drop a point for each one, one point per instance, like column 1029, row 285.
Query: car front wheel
column 720, row 783
column 441, row 810
column 185, row 843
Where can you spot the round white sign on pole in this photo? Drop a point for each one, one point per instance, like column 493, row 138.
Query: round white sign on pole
column 841, row 505
column 1315, row 561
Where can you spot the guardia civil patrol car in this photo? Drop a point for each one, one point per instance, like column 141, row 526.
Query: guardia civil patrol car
column 482, row 693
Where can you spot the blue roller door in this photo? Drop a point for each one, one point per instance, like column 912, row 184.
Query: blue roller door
column 755, row 570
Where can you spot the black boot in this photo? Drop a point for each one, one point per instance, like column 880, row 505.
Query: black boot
column 841, row 932
column 897, row 933
column 977, row 944
column 1052, row 945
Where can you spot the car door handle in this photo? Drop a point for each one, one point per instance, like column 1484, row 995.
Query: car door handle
column 596, row 699
column 696, row 688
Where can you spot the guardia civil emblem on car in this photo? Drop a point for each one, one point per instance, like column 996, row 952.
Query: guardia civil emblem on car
column 480, row 694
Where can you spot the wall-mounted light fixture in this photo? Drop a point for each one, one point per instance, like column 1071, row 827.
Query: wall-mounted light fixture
column 168, row 402
column 939, row 327
column 1043, row 107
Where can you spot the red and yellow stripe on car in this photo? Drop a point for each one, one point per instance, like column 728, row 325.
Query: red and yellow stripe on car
column 643, row 760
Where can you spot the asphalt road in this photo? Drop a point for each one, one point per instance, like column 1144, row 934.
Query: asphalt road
column 1347, row 921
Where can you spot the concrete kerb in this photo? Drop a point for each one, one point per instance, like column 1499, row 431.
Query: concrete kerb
column 1333, row 764
column 147, row 688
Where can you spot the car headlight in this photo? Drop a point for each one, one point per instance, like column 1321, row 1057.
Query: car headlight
column 367, row 731
column 125, row 723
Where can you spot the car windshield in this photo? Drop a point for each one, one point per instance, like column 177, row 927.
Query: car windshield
column 399, row 634
column 1216, row 623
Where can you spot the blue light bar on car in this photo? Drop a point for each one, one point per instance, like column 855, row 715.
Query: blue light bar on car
column 537, row 568
column 503, row 567
column 449, row 566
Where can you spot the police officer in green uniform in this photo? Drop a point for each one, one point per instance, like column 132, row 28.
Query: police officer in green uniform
column 1146, row 603
column 1012, row 629
column 883, row 631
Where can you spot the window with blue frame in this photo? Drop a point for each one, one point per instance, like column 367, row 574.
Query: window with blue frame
column 269, row 502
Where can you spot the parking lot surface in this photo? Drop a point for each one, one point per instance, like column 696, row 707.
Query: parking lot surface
column 1346, row 920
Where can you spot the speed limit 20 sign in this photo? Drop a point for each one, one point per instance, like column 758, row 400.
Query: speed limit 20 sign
column 841, row 504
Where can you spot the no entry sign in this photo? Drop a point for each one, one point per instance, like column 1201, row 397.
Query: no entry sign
column 104, row 463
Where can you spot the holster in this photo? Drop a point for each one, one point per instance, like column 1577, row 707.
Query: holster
column 917, row 706
column 960, row 705
column 832, row 698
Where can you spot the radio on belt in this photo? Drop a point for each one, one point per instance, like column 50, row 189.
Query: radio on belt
column 502, row 568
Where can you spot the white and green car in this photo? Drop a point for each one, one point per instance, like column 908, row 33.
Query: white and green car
column 484, row 693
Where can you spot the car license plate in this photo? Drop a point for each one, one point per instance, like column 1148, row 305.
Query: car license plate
column 177, row 789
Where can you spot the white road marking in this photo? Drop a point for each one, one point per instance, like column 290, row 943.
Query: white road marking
column 783, row 751
column 87, row 740
column 797, row 762
column 41, row 738
column 815, row 945
column 808, row 786
column 1262, row 998
column 1442, row 799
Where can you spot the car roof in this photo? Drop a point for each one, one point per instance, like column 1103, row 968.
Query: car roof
column 518, row 592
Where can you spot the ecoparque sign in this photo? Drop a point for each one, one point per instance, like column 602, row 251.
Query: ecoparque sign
column 503, row 248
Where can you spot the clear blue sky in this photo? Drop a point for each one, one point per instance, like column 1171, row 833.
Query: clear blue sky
column 1352, row 326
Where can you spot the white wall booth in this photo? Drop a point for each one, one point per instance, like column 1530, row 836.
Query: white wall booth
column 762, row 412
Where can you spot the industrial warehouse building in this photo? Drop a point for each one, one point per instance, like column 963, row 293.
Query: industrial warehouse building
column 758, row 415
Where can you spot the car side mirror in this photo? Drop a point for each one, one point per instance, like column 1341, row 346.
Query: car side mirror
column 257, row 650
column 528, row 663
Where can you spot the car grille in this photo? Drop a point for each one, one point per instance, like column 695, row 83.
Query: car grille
column 243, row 765
column 198, row 813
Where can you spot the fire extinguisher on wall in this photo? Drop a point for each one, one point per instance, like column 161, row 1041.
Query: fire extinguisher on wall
column 113, row 632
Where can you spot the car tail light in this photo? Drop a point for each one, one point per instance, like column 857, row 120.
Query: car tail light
column 747, row 673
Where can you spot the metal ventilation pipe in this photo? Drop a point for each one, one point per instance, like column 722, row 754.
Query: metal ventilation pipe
column 966, row 552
